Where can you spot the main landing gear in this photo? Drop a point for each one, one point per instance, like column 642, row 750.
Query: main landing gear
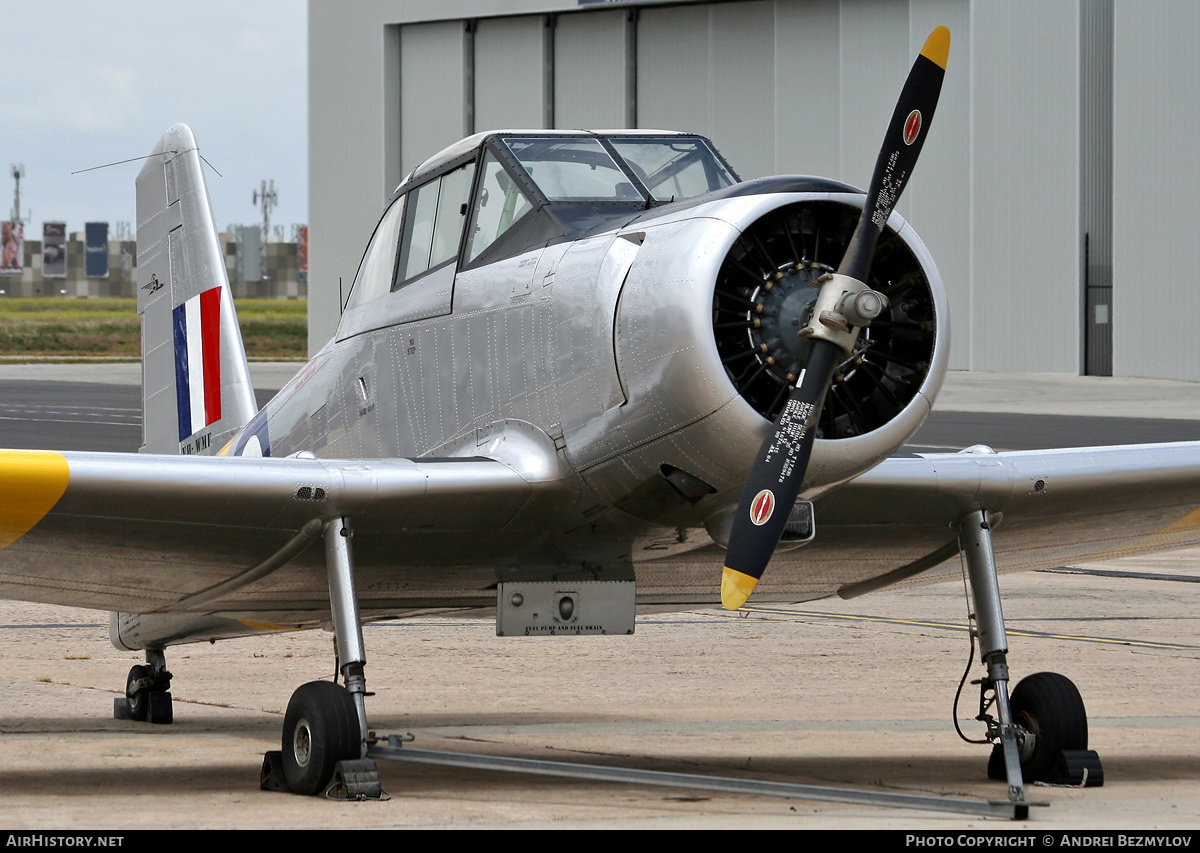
column 325, row 736
column 147, row 692
column 1040, row 733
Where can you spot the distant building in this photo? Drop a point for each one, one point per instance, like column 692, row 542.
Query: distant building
column 282, row 279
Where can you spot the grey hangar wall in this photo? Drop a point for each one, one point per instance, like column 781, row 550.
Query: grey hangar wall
column 1054, row 190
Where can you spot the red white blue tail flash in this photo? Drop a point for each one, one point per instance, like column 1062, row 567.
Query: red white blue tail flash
column 198, row 361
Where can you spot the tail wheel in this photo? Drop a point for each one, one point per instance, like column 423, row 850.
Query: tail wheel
column 138, row 696
column 320, row 729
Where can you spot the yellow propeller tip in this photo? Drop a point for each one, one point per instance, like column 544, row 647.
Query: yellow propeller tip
column 735, row 588
column 937, row 47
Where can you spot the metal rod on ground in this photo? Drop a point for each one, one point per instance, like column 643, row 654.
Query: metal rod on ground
column 724, row 784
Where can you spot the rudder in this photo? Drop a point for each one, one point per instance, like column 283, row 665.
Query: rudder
column 196, row 390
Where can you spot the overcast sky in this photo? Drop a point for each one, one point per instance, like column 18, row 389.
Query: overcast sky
column 88, row 83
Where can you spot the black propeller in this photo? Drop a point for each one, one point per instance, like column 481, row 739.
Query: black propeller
column 844, row 305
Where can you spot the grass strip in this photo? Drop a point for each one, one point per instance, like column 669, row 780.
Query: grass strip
column 52, row 328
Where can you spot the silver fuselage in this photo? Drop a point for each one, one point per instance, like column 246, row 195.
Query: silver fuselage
column 600, row 351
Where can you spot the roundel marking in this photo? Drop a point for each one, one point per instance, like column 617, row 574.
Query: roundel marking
column 762, row 506
column 912, row 127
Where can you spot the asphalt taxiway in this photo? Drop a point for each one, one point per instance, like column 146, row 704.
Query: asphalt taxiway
column 98, row 407
column 849, row 693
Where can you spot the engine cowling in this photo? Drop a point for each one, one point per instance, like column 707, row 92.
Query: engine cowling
column 704, row 336
column 764, row 295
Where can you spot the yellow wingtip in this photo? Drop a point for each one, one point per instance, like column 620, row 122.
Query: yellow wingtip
column 937, row 47
column 33, row 481
column 735, row 588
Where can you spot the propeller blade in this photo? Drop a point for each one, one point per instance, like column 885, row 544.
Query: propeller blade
column 778, row 472
column 901, row 146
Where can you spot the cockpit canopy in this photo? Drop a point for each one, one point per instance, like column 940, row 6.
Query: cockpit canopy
column 495, row 195
column 659, row 166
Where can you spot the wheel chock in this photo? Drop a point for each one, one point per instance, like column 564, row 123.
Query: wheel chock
column 160, row 711
column 270, row 778
column 352, row 780
column 1079, row 768
column 357, row 779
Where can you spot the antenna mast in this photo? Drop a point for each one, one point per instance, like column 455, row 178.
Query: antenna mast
column 18, row 172
column 268, row 198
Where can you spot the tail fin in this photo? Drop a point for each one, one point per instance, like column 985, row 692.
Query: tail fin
column 196, row 390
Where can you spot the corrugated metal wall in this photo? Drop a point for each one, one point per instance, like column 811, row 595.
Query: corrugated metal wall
column 431, row 86
column 510, row 72
column 1014, row 176
column 347, row 172
column 1024, row 193
column 1156, row 184
column 589, row 70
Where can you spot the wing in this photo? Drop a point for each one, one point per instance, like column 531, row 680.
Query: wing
column 145, row 534
column 149, row 534
column 898, row 522
column 1051, row 506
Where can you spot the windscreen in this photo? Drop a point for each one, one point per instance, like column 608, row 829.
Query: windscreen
column 573, row 169
column 674, row 168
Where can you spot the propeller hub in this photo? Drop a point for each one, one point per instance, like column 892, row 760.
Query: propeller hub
column 787, row 307
column 843, row 306
column 861, row 308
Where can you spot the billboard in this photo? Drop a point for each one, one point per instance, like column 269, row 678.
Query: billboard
column 12, row 248
column 54, row 250
column 95, row 249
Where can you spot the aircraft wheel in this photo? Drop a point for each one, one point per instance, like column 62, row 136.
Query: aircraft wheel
column 1049, row 707
column 320, row 729
column 139, row 697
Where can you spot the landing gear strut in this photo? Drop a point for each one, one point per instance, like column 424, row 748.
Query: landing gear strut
column 147, row 692
column 1040, row 733
column 325, row 736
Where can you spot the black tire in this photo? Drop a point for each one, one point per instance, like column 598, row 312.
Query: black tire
column 1049, row 706
column 139, row 699
column 320, row 729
